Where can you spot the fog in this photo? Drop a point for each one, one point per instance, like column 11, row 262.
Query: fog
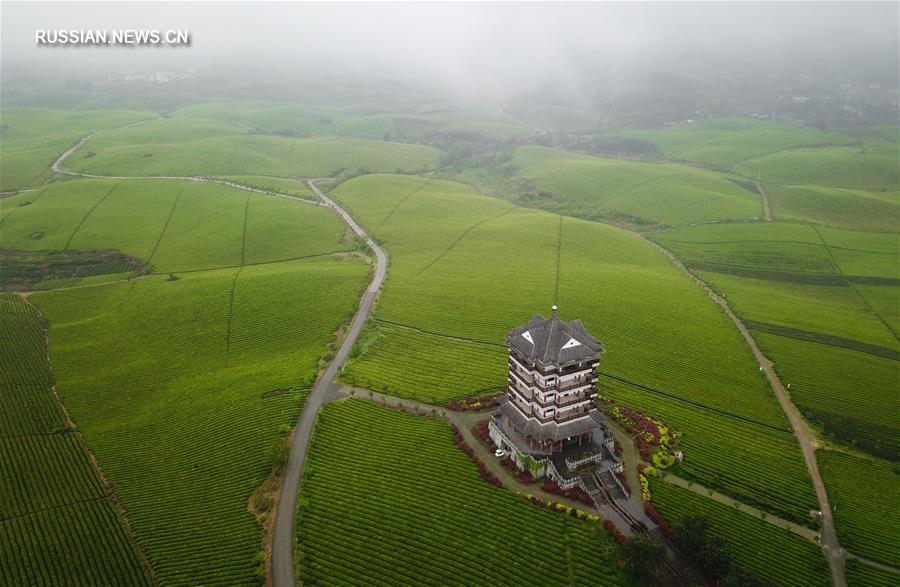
column 466, row 50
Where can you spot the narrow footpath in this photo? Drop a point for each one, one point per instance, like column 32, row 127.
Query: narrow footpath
column 804, row 434
column 765, row 200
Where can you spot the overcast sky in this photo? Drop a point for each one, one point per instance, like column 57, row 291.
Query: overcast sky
column 498, row 47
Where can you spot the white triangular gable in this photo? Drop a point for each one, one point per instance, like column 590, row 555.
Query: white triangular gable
column 527, row 336
column 572, row 343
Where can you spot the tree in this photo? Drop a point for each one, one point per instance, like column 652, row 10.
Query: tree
column 691, row 534
column 644, row 560
column 714, row 556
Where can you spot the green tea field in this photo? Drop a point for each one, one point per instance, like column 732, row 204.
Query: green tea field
column 808, row 293
column 438, row 308
column 182, row 146
column 774, row 554
column 192, row 285
column 407, row 517
column 54, row 505
column 182, row 381
column 32, row 139
column 643, row 193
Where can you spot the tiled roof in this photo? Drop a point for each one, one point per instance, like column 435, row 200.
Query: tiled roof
column 553, row 342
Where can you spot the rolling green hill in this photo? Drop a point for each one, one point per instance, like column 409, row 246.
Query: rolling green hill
column 466, row 268
column 32, row 138
column 648, row 193
column 181, row 146
column 728, row 141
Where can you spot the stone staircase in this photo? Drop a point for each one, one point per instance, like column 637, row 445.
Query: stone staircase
column 609, row 482
column 592, row 489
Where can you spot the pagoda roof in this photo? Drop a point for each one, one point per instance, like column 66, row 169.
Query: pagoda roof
column 554, row 342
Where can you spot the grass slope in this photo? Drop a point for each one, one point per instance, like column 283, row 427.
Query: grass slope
column 389, row 499
column 854, row 209
column 176, row 225
column 842, row 167
column 727, row 141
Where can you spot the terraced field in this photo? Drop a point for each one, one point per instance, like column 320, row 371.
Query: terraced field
column 195, row 146
column 862, row 575
column 58, row 521
column 647, row 193
column 182, row 383
column 865, row 493
column 184, row 226
column 841, row 167
column 455, row 287
column 854, row 209
column 802, row 290
column 388, row 498
column 777, row 556
column 32, row 139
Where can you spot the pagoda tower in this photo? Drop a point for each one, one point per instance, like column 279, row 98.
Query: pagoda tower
column 548, row 420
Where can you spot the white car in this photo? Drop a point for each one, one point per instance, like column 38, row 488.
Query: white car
column 499, row 453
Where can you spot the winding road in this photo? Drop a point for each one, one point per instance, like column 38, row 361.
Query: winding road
column 326, row 389
column 283, row 533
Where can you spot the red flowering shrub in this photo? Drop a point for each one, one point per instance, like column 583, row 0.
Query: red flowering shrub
column 482, row 469
column 644, row 449
column 660, row 521
column 614, row 532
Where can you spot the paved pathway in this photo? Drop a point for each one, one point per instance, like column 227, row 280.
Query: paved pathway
column 804, row 434
column 283, row 533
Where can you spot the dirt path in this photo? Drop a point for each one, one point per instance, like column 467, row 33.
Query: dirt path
column 693, row 487
column 283, row 531
column 804, row 434
column 765, row 199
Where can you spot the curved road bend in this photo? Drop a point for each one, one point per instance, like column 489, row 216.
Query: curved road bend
column 283, row 534
column 805, row 437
